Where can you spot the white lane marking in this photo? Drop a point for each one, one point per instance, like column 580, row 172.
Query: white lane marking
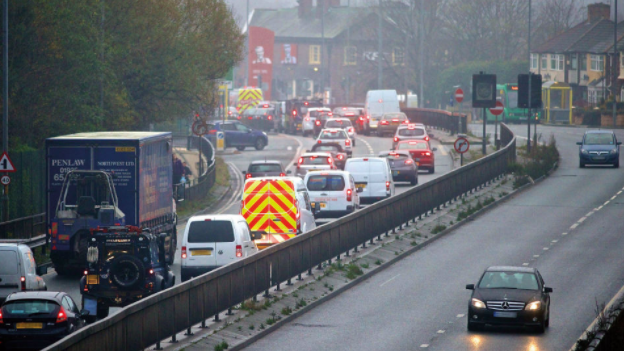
column 424, row 345
column 442, row 150
column 573, row 226
column 460, row 315
column 554, row 241
column 389, row 280
column 545, row 249
column 525, row 264
column 565, row 233
column 619, row 192
column 582, row 220
column 370, row 148
column 589, row 213
column 233, row 198
column 599, row 208
column 606, row 203
column 614, row 196
column 440, row 331
column 535, row 256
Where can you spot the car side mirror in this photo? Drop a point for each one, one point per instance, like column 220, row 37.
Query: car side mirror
column 41, row 270
column 256, row 235
column 579, row 143
column 84, row 313
column 469, row 286
column 359, row 190
column 434, row 149
column 244, row 172
column 288, row 172
column 548, row 290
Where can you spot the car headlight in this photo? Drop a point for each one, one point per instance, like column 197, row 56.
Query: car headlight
column 477, row 303
column 263, row 133
column 613, row 151
column 584, row 152
column 533, row 306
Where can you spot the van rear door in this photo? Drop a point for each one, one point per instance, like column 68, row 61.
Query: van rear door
column 210, row 243
column 9, row 272
column 282, row 207
column 359, row 169
column 378, row 175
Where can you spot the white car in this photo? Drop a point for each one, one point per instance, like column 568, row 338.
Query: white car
column 336, row 135
column 314, row 161
column 343, row 123
column 373, row 175
column 213, row 241
column 334, row 192
column 18, row 270
column 415, row 131
column 307, row 125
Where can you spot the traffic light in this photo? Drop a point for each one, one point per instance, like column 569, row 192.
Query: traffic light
column 523, row 91
column 484, row 90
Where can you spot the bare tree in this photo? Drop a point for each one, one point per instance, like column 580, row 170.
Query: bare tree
column 556, row 16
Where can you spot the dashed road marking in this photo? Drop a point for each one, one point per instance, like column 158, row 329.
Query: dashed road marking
column 370, row 148
column 525, row 264
column 460, row 315
column 606, row 203
column 440, row 331
column 545, row 249
column 389, row 280
column 535, row 256
column 581, row 220
column 554, row 241
column 424, row 345
column 565, row 233
column 619, row 192
column 590, row 213
column 573, row 226
column 614, row 196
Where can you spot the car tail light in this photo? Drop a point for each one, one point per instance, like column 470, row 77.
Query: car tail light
column 383, row 122
column 426, row 138
column 347, row 142
column 151, row 272
column 300, row 161
column 367, row 117
column 351, row 130
column 387, row 186
column 340, row 157
column 396, row 139
column 364, row 159
column 184, row 252
column 294, row 113
column 361, row 119
column 214, row 131
column 406, row 122
column 329, row 160
column 23, row 281
column 62, row 316
column 239, row 251
column 408, row 162
column 319, row 141
column 270, row 118
column 349, row 193
column 248, row 175
column 318, row 123
column 282, row 174
column 427, row 153
column 85, row 272
column 1, row 321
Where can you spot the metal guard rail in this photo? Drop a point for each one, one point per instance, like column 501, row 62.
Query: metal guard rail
column 162, row 315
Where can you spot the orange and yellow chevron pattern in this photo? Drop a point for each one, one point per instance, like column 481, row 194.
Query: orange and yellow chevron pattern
column 248, row 98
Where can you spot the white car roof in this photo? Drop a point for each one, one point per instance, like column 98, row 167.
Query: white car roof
column 319, row 109
column 217, row 217
column 320, row 153
column 330, row 172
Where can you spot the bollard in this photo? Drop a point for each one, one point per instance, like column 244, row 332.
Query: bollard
column 173, row 339
column 299, row 277
column 266, row 293
column 371, row 241
column 387, row 231
column 355, row 249
column 309, row 271
column 188, row 332
column 288, row 282
column 203, row 324
column 338, row 257
column 277, row 288
column 347, row 253
column 319, row 267
column 158, row 348
column 229, row 312
column 216, row 318
column 379, row 237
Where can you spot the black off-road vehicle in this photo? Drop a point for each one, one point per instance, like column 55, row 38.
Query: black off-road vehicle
column 125, row 264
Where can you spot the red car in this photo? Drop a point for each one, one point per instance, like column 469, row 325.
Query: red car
column 421, row 152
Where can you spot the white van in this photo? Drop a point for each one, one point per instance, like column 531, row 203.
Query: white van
column 333, row 191
column 212, row 241
column 379, row 102
column 18, row 270
column 373, row 175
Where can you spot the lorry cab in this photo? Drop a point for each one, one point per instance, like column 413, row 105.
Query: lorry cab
column 277, row 208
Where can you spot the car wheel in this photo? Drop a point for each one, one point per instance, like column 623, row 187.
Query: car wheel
column 127, row 271
column 541, row 328
column 581, row 164
column 414, row 181
column 547, row 324
column 102, row 311
column 240, row 148
column 432, row 170
column 474, row 326
column 616, row 164
column 260, row 144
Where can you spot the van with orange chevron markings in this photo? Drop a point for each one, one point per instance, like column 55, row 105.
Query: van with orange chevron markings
column 277, row 207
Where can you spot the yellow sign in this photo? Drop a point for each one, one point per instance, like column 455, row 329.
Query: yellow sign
column 125, row 149
column 223, row 92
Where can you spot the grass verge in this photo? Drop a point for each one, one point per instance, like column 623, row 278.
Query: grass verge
column 187, row 208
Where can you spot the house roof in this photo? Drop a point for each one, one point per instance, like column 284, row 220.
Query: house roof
column 286, row 23
column 597, row 40
column 586, row 37
column 562, row 42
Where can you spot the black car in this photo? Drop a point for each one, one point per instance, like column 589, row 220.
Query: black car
column 599, row 147
column 514, row 296
column 338, row 153
column 265, row 168
column 37, row 319
column 125, row 264
column 403, row 167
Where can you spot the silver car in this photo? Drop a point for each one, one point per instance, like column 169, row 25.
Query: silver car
column 343, row 123
column 314, row 161
column 415, row 131
column 336, row 135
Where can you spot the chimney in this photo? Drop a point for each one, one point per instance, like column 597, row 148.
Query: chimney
column 305, row 7
column 321, row 7
column 598, row 11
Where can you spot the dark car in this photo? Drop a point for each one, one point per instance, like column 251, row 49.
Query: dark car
column 125, row 264
column 403, row 167
column 357, row 117
column 238, row 135
column 261, row 117
column 421, row 153
column 35, row 320
column 335, row 149
column 599, row 147
column 513, row 296
column 265, row 168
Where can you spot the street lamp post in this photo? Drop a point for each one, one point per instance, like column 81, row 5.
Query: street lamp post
column 5, row 100
column 379, row 50
column 614, row 62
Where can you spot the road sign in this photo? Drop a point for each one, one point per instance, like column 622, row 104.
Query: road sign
column 459, row 95
column 461, row 145
column 5, row 180
column 5, row 163
column 498, row 109
column 220, row 141
column 200, row 128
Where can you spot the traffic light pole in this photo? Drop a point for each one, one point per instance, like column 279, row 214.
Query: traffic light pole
column 484, row 141
column 530, row 96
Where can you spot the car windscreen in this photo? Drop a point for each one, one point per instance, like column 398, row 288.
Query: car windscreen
column 508, row 280
column 316, row 113
column 315, row 160
column 328, row 148
column 267, row 167
column 411, row 132
column 9, row 263
column 29, row 308
column 412, row 146
column 326, row 183
column 338, row 123
column 599, row 139
column 334, row 135
column 211, row 232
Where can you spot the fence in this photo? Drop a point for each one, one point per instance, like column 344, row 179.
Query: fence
column 452, row 122
column 23, row 228
column 161, row 316
column 27, row 189
column 198, row 188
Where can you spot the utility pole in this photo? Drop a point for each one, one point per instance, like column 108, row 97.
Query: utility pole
column 379, row 51
column 5, row 101
column 530, row 74
column 248, row 49
column 322, row 50
column 421, row 36
column 614, row 63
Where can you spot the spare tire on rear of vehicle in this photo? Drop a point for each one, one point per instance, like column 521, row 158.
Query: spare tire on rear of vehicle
column 127, row 271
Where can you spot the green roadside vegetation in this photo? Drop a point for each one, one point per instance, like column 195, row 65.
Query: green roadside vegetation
column 536, row 164
column 187, row 208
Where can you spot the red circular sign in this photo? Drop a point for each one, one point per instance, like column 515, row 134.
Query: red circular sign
column 461, row 145
column 498, row 109
column 459, row 95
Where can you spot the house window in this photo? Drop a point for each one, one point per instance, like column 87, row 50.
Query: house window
column 350, row 56
column 574, row 62
column 544, row 61
column 315, row 54
column 397, row 56
column 583, row 62
column 534, row 59
column 597, row 63
column 556, row 62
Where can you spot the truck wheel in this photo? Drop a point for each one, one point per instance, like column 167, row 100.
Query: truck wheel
column 127, row 271
column 102, row 311
column 259, row 144
column 83, row 247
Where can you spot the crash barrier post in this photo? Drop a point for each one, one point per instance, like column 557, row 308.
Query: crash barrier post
column 181, row 307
